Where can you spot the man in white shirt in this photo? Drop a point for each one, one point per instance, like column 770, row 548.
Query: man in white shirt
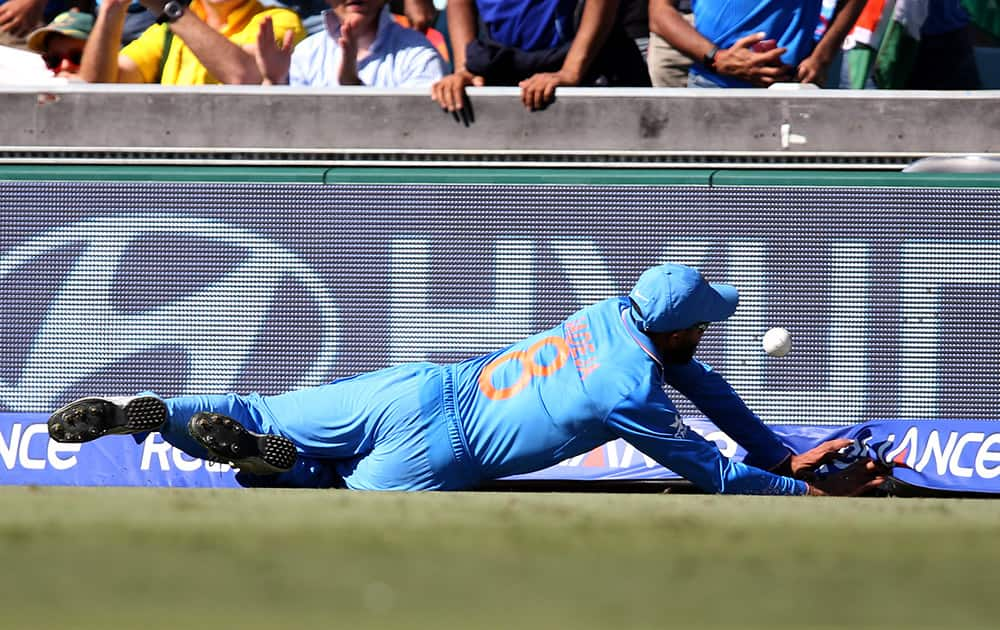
column 360, row 45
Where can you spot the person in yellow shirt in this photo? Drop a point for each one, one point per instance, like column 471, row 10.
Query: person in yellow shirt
column 204, row 42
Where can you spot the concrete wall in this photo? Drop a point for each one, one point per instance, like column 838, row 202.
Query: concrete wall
column 646, row 124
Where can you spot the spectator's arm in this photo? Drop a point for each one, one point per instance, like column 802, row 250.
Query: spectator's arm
column 420, row 13
column 813, row 68
column 449, row 92
column 462, row 29
column 226, row 61
column 595, row 24
column 20, row 17
column 539, row 90
column 667, row 22
column 101, row 62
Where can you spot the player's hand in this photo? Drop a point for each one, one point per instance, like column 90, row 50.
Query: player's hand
column 803, row 465
column 20, row 17
column 273, row 59
column 538, row 90
column 449, row 92
column 860, row 477
column 759, row 68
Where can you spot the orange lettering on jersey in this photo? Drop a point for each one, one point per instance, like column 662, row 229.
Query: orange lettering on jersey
column 581, row 347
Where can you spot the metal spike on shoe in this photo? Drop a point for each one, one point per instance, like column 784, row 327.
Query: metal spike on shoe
column 87, row 419
column 229, row 441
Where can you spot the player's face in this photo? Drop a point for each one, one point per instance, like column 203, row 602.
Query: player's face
column 679, row 346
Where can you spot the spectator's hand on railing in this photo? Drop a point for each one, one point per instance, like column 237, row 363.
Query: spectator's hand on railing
column 273, row 59
column 759, row 68
column 20, row 17
column 449, row 92
column 421, row 13
column 812, row 69
column 538, row 90
column 347, row 74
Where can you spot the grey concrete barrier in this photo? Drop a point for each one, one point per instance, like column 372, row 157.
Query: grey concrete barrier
column 629, row 125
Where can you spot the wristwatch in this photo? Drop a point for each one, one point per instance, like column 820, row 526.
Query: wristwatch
column 171, row 11
column 709, row 58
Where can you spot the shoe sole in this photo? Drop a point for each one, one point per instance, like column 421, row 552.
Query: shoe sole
column 90, row 418
column 227, row 440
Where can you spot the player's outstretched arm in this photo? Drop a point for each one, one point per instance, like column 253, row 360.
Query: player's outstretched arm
column 661, row 435
column 720, row 403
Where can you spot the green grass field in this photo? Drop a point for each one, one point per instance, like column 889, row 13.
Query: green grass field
column 153, row 558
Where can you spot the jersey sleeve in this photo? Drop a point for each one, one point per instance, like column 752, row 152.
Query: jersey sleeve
column 716, row 398
column 654, row 427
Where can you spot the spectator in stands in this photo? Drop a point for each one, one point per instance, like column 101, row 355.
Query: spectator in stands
column 434, row 36
column 420, row 14
column 754, row 42
column 944, row 58
column 537, row 46
column 20, row 17
column 208, row 41
column 669, row 67
column 61, row 42
column 361, row 45
column 634, row 19
column 137, row 20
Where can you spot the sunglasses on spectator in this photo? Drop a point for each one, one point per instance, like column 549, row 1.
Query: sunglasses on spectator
column 53, row 61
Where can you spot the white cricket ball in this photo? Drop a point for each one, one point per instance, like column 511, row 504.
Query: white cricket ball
column 777, row 342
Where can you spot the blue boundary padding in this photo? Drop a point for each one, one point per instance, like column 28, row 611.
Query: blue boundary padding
column 943, row 455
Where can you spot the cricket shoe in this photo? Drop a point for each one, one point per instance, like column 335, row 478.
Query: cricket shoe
column 87, row 419
column 227, row 440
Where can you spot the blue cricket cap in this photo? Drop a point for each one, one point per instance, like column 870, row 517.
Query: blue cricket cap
column 674, row 297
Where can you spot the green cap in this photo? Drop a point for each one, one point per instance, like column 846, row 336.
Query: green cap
column 71, row 24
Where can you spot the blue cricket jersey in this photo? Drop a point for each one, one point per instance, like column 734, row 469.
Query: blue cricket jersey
column 593, row 379
column 560, row 393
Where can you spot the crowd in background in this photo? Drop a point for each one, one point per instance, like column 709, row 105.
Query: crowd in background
column 538, row 45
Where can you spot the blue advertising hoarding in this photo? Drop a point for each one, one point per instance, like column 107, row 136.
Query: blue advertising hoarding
column 114, row 288
column 961, row 456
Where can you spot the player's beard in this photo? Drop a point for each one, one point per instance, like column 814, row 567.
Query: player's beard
column 681, row 354
column 676, row 348
column 679, row 350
